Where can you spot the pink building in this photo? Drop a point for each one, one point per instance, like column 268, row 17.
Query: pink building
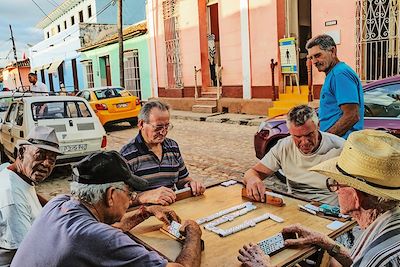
column 217, row 53
column 11, row 76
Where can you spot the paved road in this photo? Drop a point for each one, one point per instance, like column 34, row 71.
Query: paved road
column 212, row 151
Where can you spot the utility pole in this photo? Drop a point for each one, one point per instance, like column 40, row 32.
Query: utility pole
column 120, row 45
column 15, row 57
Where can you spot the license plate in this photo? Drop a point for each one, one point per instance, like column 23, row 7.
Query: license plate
column 73, row 148
column 122, row 105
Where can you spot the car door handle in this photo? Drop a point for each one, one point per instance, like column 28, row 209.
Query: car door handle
column 71, row 123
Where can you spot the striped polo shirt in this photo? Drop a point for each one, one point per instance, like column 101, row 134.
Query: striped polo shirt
column 146, row 164
column 379, row 244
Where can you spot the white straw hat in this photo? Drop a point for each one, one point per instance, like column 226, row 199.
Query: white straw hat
column 369, row 162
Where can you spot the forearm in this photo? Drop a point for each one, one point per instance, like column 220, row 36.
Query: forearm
column 132, row 218
column 191, row 252
column 180, row 184
column 251, row 174
column 344, row 123
column 343, row 256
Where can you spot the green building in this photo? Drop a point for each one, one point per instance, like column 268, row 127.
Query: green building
column 101, row 62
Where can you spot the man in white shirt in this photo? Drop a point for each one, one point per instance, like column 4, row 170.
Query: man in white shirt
column 37, row 87
column 19, row 203
column 295, row 154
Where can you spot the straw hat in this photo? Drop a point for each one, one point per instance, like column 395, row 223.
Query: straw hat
column 369, row 162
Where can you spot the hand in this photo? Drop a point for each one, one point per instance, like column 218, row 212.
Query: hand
column 190, row 227
column 161, row 195
column 197, row 187
column 255, row 189
column 164, row 214
column 306, row 237
column 251, row 255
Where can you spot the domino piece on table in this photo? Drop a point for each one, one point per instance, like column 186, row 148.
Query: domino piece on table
column 275, row 218
column 272, row 244
column 229, row 183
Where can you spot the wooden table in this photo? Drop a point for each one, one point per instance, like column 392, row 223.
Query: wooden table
column 223, row 251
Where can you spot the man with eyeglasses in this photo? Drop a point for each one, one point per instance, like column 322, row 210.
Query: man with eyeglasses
column 156, row 158
column 19, row 203
column 87, row 228
column 341, row 108
column 366, row 178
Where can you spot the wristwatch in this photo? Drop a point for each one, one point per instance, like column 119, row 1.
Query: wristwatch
column 334, row 250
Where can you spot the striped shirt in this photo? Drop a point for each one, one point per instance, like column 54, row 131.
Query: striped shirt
column 146, row 164
column 379, row 244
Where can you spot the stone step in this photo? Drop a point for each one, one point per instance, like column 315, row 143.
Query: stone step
column 206, row 101
column 288, row 104
column 293, row 97
column 204, row 108
column 272, row 112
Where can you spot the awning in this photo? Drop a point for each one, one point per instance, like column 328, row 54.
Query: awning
column 54, row 66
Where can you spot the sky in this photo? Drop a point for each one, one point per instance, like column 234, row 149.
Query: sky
column 23, row 15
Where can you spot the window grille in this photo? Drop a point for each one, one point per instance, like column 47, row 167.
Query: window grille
column 172, row 45
column 377, row 39
column 89, row 73
column 132, row 72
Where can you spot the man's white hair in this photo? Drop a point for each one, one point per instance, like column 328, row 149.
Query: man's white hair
column 92, row 193
column 299, row 115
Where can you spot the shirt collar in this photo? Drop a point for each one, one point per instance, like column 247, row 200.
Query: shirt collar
column 141, row 144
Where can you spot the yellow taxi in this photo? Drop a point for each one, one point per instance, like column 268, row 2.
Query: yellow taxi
column 113, row 104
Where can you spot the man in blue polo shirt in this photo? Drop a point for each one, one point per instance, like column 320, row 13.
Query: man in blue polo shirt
column 156, row 158
column 341, row 108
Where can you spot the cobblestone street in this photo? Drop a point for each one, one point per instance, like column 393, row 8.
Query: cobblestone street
column 212, row 151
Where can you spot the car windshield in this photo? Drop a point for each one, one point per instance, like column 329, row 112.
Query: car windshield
column 383, row 101
column 110, row 93
column 5, row 103
column 59, row 110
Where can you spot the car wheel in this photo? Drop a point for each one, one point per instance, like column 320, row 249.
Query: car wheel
column 133, row 122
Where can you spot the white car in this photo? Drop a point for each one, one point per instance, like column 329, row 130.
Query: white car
column 78, row 129
column 6, row 97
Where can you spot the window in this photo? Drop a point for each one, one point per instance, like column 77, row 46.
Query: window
column 65, row 24
column 5, row 103
column 132, row 74
column 58, row 28
column 72, row 20
column 11, row 113
column 89, row 11
column 109, row 93
column 81, row 16
column 59, row 110
column 19, row 119
column 89, row 73
column 383, row 101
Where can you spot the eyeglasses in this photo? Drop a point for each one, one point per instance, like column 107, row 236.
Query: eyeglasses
column 159, row 128
column 131, row 194
column 333, row 185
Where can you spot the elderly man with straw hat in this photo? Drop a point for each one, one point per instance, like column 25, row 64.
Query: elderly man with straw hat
column 366, row 177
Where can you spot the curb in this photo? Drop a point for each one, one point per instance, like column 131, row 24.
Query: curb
column 239, row 119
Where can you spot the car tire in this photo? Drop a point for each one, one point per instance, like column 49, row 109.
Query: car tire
column 133, row 122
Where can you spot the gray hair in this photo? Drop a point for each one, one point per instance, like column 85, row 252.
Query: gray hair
column 381, row 204
column 299, row 115
column 146, row 109
column 324, row 41
column 92, row 193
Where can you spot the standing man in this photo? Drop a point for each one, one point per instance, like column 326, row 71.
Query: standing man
column 295, row 154
column 341, row 109
column 366, row 178
column 19, row 203
column 37, row 88
column 156, row 158
column 87, row 228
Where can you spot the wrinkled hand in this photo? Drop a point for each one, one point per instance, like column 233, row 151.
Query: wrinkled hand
column 306, row 237
column 190, row 227
column 197, row 187
column 255, row 189
column 251, row 255
column 162, row 195
column 164, row 214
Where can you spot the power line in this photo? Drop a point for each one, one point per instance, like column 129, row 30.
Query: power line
column 42, row 10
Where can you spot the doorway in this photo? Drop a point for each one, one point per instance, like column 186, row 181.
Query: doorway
column 105, row 71
column 214, row 56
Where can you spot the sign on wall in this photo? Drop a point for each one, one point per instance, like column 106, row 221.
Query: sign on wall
column 287, row 48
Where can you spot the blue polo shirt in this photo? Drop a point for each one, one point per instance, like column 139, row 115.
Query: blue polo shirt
column 144, row 163
column 342, row 86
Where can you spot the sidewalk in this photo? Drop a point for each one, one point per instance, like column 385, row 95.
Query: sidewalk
column 242, row 119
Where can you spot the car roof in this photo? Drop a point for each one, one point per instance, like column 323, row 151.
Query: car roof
column 387, row 80
column 14, row 94
column 103, row 88
column 51, row 98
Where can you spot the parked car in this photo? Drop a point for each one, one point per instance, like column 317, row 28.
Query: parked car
column 78, row 130
column 113, row 104
column 6, row 97
column 382, row 112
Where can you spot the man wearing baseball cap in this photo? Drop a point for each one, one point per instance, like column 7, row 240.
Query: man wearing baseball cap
column 87, row 228
column 19, row 203
column 366, row 177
